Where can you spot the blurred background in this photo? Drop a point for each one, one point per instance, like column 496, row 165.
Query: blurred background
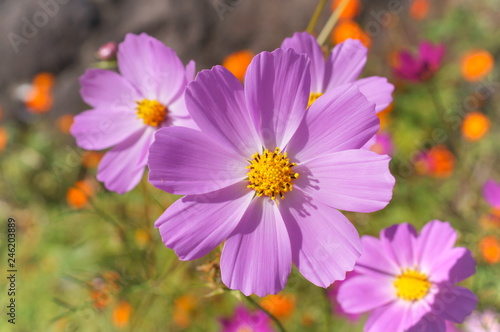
column 90, row 260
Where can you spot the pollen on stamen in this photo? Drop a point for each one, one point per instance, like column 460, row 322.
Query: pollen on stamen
column 412, row 285
column 152, row 112
column 313, row 96
column 271, row 174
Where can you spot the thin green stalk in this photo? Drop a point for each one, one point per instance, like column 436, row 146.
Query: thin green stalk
column 316, row 15
column 323, row 35
column 258, row 306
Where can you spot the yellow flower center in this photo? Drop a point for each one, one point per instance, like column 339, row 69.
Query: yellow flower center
column 412, row 285
column 313, row 96
column 271, row 174
column 151, row 112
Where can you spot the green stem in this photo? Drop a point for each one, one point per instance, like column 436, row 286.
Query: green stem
column 316, row 15
column 258, row 306
column 323, row 35
column 441, row 112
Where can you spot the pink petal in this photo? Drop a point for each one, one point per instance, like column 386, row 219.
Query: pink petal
column 305, row 43
column 375, row 260
column 453, row 265
column 184, row 161
column 392, row 317
column 107, row 89
column 277, row 89
column 122, row 167
column 194, row 225
column 491, row 192
column 101, row 128
column 341, row 119
column 216, row 102
column 351, row 180
column 153, row 68
column 401, row 239
column 455, row 303
column 365, row 293
column 325, row 245
column 377, row 90
column 257, row 257
column 345, row 63
column 436, row 239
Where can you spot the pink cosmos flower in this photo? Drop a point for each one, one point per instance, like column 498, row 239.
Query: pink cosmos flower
column 421, row 67
column 491, row 192
column 129, row 108
column 407, row 280
column 344, row 65
column 487, row 321
column 244, row 320
column 267, row 176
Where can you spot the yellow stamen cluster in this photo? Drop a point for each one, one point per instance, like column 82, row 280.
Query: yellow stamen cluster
column 151, row 112
column 313, row 96
column 271, row 174
column 412, row 285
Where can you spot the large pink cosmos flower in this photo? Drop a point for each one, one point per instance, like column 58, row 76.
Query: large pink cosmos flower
column 407, row 280
column 129, row 108
column 267, row 176
column 344, row 65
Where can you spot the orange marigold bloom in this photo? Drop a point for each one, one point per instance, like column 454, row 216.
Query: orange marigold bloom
column 40, row 99
column 476, row 64
column 183, row 307
column 475, row 126
column 238, row 62
column 350, row 11
column 78, row 196
column 490, row 249
column 346, row 29
column 280, row 305
column 4, row 138
column 419, row 9
column 90, row 159
column 64, row 123
column 121, row 314
column 438, row 162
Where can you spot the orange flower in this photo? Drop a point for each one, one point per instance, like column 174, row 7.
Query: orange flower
column 142, row 237
column 121, row 314
column 476, row 64
column 280, row 305
column 64, row 123
column 40, row 99
column 4, row 138
column 100, row 298
column 438, row 162
column 350, row 11
column 384, row 116
column 490, row 249
column 238, row 62
column 183, row 308
column 78, row 196
column 475, row 126
column 346, row 29
column 90, row 159
column 419, row 9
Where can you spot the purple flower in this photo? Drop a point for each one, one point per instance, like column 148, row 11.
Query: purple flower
column 267, row 176
column 129, row 108
column 421, row 67
column 344, row 65
column 486, row 321
column 244, row 320
column 491, row 192
column 407, row 280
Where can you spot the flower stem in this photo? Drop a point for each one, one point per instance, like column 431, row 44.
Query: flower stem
column 316, row 15
column 258, row 306
column 323, row 36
